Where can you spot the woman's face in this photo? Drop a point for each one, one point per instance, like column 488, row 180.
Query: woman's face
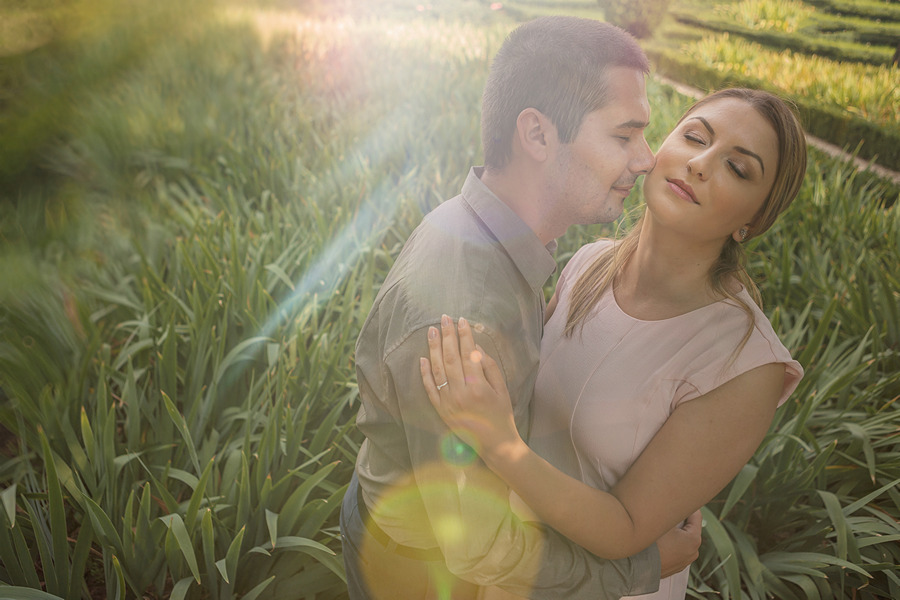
column 714, row 171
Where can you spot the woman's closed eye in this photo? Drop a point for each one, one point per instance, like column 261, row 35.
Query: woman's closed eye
column 694, row 137
column 738, row 169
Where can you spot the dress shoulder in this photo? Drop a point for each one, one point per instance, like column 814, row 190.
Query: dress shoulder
column 727, row 358
column 581, row 260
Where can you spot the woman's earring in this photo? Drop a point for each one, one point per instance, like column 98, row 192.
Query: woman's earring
column 743, row 233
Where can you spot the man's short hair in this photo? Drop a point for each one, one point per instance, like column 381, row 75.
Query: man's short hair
column 557, row 65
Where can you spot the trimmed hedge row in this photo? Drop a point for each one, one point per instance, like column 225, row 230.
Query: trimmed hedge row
column 840, row 128
column 859, row 8
column 861, row 30
column 797, row 42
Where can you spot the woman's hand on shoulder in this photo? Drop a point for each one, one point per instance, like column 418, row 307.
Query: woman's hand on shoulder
column 468, row 390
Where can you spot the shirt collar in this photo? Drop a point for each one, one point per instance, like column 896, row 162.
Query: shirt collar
column 534, row 260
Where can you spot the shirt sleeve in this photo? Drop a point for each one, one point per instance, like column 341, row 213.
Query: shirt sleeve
column 467, row 506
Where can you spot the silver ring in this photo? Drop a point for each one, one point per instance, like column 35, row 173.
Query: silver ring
column 446, row 383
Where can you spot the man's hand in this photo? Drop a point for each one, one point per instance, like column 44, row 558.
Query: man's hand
column 680, row 546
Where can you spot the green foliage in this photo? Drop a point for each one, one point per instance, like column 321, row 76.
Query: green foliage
column 638, row 17
column 58, row 53
column 869, row 9
column 777, row 15
column 182, row 286
column 862, row 30
column 801, row 43
column 524, row 10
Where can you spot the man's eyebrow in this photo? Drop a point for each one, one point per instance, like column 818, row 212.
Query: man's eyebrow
column 633, row 124
column 740, row 149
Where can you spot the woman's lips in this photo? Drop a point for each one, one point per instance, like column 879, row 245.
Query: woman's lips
column 682, row 189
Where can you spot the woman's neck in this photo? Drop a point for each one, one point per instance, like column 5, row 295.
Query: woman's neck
column 666, row 277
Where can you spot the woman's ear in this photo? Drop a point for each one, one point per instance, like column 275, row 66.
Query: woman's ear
column 741, row 234
column 535, row 134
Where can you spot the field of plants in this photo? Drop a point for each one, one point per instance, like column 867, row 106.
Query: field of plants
column 198, row 202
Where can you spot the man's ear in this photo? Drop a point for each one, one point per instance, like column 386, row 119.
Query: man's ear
column 535, row 134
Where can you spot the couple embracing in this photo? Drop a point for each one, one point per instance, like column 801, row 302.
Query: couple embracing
column 562, row 449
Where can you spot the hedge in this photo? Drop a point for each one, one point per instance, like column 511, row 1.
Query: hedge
column 836, row 50
column 859, row 8
column 861, row 30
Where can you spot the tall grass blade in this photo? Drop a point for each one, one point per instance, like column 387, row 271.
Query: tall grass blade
column 258, row 589
column 182, row 427
column 726, row 551
column 180, row 589
column 228, row 566
column 23, row 593
column 176, row 526
column 8, row 500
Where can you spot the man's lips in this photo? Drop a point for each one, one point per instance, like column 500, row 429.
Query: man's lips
column 624, row 189
column 682, row 189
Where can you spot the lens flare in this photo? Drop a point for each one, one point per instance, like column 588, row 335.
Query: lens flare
column 456, row 452
column 467, row 508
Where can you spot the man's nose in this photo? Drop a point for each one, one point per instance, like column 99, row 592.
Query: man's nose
column 644, row 161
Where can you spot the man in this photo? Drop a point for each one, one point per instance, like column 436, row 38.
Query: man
column 563, row 115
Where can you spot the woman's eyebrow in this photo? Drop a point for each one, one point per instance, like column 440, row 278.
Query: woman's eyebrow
column 706, row 124
column 740, row 149
column 743, row 150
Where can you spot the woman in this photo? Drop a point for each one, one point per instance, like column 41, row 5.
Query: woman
column 659, row 373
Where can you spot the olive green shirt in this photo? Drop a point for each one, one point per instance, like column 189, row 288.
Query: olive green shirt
column 474, row 257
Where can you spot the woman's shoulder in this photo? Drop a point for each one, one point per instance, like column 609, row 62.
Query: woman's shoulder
column 763, row 346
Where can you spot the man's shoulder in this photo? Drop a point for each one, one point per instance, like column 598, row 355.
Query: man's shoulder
column 450, row 247
column 452, row 265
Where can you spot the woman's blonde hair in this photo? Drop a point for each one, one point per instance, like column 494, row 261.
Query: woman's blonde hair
column 731, row 264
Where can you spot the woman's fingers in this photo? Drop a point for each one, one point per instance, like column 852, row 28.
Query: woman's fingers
column 452, row 366
column 471, row 355
column 492, row 372
column 456, row 361
column 436, row 353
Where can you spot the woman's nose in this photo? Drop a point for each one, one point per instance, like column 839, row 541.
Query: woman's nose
column 696, row 167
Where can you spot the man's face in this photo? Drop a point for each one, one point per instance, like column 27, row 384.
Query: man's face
column 596, row 171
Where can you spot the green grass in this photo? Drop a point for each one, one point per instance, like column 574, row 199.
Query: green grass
column 191, row 243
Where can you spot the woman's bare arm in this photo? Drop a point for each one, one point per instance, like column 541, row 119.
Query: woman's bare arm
column 699, row 449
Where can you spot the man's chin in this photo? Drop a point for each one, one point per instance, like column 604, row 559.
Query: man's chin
column 613, row 209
